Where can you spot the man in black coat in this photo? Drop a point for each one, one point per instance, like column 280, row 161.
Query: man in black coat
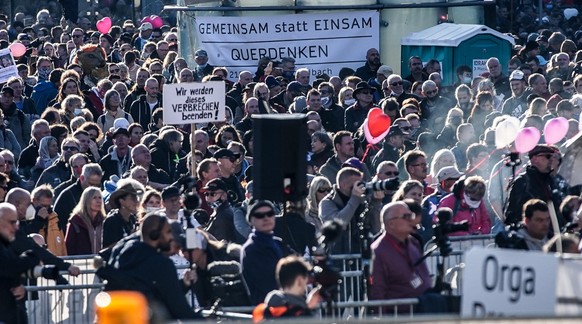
column 535, row 182
column 11, row 290
column 221, row 223
column 165, row 151
column 60, row 172
column 136, row 262
column 119, row 160
column 39, row 129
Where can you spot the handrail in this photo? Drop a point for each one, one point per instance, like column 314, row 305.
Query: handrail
column 336, row 7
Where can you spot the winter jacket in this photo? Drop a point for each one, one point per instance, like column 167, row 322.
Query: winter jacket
column 115, row 227
column 42, row 93
column 55, row 174
column 18, row 123
column 478, row 219
column 136, row 262
column 163, row 158
column 141, row 112
column 8, row 141
column 84, row 235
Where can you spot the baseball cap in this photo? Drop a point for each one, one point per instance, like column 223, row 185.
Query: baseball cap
column 395, row 130
column 146, row 26
column 294, row 86
column 8, row 90
column 449, row 172
column 201, row 53
column 215, row 184
column 517, row 75
column 386, row 70
column 225, row 153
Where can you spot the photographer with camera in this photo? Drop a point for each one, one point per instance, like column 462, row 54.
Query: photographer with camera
column 45, row 221
column 12, row 292
column 292, row 275
column 347, row 202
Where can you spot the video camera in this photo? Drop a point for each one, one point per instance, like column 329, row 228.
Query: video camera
column 444, row 228
column 510, row 238
column 324, row 273
column 381, row 185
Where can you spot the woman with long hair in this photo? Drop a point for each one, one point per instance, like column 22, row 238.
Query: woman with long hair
column 318, row 189
column 113, row 110
column 85, row 226
column 411, row 189
column 69, row 86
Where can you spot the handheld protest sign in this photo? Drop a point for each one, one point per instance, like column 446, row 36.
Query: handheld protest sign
column 190, row 103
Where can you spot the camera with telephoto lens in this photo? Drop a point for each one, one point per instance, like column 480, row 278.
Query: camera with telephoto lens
column 381, row 185
column 443, row 228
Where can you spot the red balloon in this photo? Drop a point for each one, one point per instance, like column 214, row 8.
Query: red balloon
column 376, row 125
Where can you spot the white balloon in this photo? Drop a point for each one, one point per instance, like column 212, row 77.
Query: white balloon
column 506, row 132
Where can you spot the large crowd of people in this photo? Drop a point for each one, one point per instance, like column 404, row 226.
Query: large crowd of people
column 88, row 165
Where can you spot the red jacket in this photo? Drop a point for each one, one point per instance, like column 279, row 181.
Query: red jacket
column 479, row 222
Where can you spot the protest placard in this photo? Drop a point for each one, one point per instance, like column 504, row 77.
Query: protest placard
column 7, row 65
column 189, row 103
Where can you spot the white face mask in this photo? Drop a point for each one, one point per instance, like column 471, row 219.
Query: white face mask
column 30, row 212
column 350, row 102
column 324, row 101
column 152, row 209
column 471, row 203
column 78, row 111
column 467, row 80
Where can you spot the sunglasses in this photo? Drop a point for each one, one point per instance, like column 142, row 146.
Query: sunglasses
column 431, row 92
column 392, row 173
column 368, row 92
column 394, row 84
column 547, row 156
column 211, row 193
column 263, row 215
column 324, row 190
column 114, row 71
column 70, row 148
column 406, row 216
column 406, row 128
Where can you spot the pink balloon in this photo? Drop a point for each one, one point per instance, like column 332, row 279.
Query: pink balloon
column 147, row 19
column 156, row 21
column 104, row 25
column 527, row 139
column 17, row 49
column 555, row 130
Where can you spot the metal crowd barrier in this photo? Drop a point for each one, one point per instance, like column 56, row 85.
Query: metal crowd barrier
column 454, row 262
column 74, row 303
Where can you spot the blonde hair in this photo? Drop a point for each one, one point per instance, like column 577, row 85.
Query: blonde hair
column 82, row 208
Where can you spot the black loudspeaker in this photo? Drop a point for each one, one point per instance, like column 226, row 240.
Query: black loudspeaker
column 280, row 157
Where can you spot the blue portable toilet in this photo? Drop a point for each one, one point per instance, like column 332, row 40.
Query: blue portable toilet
column 457, row 44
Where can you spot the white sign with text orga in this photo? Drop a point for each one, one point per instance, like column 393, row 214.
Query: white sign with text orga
column 500, row 282
column 189, row 103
